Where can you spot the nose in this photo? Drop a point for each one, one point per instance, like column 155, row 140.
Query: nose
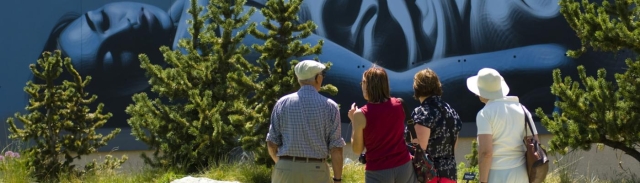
column 130, row 21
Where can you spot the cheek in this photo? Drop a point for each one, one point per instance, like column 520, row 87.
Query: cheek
column 79, row 43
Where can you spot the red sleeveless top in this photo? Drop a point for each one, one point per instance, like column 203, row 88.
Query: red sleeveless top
column 384, row 135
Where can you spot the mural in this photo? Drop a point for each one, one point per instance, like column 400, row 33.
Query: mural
column 523, row 39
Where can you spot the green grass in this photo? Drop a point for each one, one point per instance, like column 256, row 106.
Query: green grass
column 15, row 171
column 353, row 172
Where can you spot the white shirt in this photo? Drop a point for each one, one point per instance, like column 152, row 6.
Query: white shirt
column 504, row 120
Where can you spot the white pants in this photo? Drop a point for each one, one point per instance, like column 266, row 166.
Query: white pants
column 512, row 175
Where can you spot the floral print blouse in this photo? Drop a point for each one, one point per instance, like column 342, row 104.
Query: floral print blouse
column 445, row 124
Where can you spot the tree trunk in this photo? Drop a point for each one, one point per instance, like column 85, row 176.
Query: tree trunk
column 618, row 145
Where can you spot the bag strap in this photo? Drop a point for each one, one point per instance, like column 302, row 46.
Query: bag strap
column 531, row 126
column 412, row 130
column 527, row 122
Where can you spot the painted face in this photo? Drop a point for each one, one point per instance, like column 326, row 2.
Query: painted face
column 112, row 36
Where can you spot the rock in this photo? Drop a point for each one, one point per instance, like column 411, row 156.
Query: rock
column 348, row 161
column 190, row 179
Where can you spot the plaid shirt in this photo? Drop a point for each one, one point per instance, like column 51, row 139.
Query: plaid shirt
column 305, row 124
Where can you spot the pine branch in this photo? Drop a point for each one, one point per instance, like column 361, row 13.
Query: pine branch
column 282, row 43
column 192, row 123
column 66, row 127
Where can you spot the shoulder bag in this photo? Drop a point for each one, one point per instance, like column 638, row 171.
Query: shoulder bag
column 536, row 157
column 421, row 161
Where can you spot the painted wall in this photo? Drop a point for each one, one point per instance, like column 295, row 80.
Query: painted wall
column 523, row 39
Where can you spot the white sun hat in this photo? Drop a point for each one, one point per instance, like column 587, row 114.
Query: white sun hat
column 488, row 84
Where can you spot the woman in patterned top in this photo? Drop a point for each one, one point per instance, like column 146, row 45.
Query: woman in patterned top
column 437, row 126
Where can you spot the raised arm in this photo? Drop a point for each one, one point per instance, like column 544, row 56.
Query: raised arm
column 357, row 139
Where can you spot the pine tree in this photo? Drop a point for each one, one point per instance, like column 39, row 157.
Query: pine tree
column 472, row 167
column 472, row 157
column 199, row 114
column 60, row 122
column 282, row 44
column 594, row 110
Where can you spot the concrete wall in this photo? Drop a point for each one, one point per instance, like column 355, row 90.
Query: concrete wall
column 603, row 164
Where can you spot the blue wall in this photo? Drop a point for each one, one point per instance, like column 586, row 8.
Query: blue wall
column 524, row 40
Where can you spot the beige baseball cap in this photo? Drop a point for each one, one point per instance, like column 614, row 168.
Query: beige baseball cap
column 308, row 69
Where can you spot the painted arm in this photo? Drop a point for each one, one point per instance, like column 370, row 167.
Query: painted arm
column 176, row 10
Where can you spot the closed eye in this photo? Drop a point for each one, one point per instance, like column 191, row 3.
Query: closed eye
column 89, row 22
column 105, row 21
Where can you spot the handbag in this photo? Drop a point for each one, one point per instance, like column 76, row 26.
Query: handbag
column 421, row 161
column 536, row 157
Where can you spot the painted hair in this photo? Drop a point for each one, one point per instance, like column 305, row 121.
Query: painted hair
column 63, row 22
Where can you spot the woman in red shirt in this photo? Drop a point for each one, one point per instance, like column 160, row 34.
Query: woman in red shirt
column 378, row 127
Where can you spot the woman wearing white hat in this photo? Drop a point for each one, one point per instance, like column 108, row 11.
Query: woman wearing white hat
column 501, row 129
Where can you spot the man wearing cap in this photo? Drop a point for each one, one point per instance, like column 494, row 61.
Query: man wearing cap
column 305, row 129
column 501, row 128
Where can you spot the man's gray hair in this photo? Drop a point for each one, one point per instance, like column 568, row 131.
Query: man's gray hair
column 308, row 81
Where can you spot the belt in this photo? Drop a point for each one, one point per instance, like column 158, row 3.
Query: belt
column 294, row 159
